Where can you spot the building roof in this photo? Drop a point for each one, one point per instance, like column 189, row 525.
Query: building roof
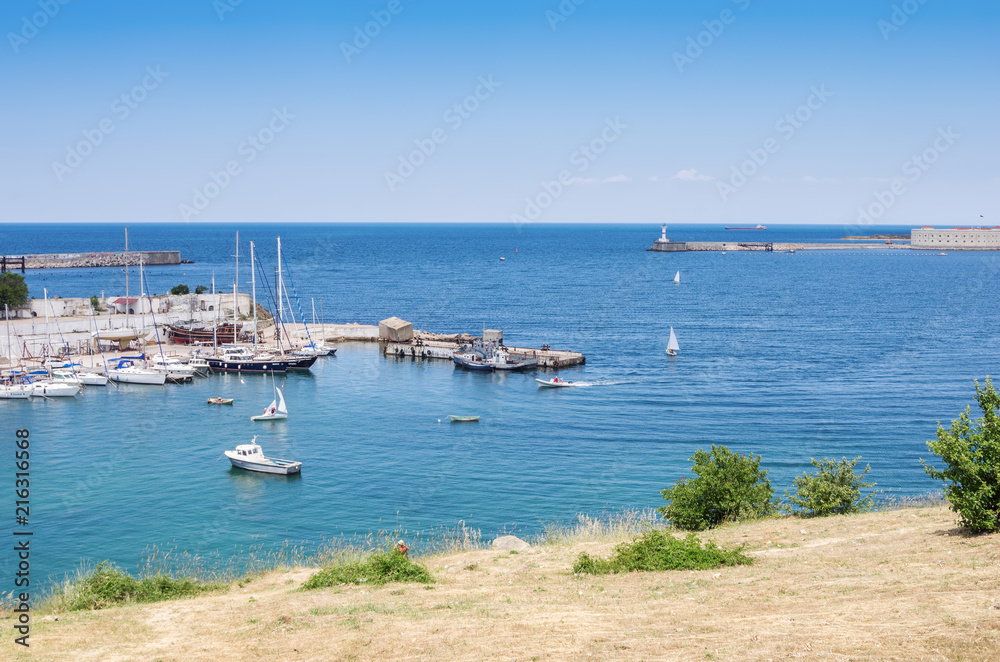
column 123, row 300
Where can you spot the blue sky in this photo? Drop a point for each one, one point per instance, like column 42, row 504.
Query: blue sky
column 317, row 124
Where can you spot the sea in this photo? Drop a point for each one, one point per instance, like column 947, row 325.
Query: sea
column 790, row 356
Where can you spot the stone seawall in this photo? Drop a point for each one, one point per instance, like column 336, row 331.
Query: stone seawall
column 90, row 260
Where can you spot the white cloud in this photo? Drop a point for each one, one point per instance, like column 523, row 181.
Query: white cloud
column 692, row 175
column 617, row 179
column 582, row 180
column 654, row 178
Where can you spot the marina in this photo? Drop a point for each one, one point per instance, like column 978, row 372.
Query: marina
column 805, row 354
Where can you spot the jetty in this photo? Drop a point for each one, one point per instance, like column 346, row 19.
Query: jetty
column 90, row 260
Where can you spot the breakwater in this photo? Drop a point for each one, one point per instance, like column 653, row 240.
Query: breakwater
column 695, row 246
column 90, row 260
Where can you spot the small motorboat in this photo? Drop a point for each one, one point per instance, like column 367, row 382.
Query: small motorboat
column 464, row 419
column 555, row 382
column 220, row 401
column 275, row 411
column 251, row 457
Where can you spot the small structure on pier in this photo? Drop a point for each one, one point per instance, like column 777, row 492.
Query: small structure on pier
column 664, row 245
column 395, row 330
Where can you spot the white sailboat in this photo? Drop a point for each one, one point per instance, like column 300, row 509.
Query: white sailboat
column 677, row 278
column 672, row 346
column 276, row 411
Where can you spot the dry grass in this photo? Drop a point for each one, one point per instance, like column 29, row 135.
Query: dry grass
column 889, row 585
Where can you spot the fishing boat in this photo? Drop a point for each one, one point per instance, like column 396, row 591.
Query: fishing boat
column 128, row 371
column 758, row 227
column 677, row 278
column 276, row 411
column 491, row 356
column 220, row 401
column 251, row 457
column 200, row 366
column 555, row 382
column 464, row 419
column 672, row 346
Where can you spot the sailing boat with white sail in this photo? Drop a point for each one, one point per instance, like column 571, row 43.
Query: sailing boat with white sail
column 672, row 346
column 677, row 278
column 276, row 411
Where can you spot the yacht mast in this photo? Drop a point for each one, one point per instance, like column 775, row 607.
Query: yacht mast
column 237, row 303
column 281, row 309
column 253, row 290
column 126, row 276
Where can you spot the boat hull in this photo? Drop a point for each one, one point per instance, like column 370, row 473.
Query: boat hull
column 301, row 362
column 16, row 392
column 220, row 401
column 546, row 383
column 150, row 379
column 279, row 467
column 56, row 390
column 247, row 366
column 464, row 419
column 264, row 417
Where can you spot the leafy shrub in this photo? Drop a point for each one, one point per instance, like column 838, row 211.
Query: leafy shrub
column 200, row 289
column 658, row 550
column 377, row 569
column 729, row 487
column 833, row 490
column 95, row 303
column 180, row 289
column 971, row 451
column 107, row 586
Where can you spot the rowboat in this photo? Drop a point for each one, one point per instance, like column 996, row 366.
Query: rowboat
column 220, row 401
column 555, row 382
column 464, row 419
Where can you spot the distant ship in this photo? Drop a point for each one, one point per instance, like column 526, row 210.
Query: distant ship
column 759, row 227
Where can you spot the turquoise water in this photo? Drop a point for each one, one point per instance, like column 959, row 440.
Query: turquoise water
column 791, row 356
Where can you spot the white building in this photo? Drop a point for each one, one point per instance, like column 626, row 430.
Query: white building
column 974, row 239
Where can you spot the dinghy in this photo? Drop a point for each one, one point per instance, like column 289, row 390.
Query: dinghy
column 555, row 382
column 276, row 411
column 220, row 401
column 464, row 419
column 672, row 345
column 251, row 457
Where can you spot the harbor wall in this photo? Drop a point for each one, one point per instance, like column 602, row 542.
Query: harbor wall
column 90, row 260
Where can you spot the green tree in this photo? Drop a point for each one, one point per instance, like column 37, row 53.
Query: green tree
column 180, row 289
column 13, row 290
column 200, row 289
column 729, row 487
column 971, row 453
column 833, row 490
column 95, row 303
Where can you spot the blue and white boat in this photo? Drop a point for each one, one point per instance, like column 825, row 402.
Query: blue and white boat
column 238, row 358
column 491, row 356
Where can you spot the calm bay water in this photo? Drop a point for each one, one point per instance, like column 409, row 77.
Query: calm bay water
column 790, row 356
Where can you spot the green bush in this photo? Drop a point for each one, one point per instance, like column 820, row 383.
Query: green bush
column 180, row 289
column 729, row 487
column 200, row 289
column 833, row 490
column 658, row 550
column 107, row 586
column 380, row 568
column 13, row 290
column 95, row 303
column 971, row 451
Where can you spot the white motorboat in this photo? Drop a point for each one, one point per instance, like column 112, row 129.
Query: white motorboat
column 251, row 457
column 127, row 372
column 173, row 368
column 672, row 346
column 275, row 411
column 200, row 366
column 555, row 382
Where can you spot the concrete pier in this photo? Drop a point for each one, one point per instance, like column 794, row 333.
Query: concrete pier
column 90, row 260
column 442, row 349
